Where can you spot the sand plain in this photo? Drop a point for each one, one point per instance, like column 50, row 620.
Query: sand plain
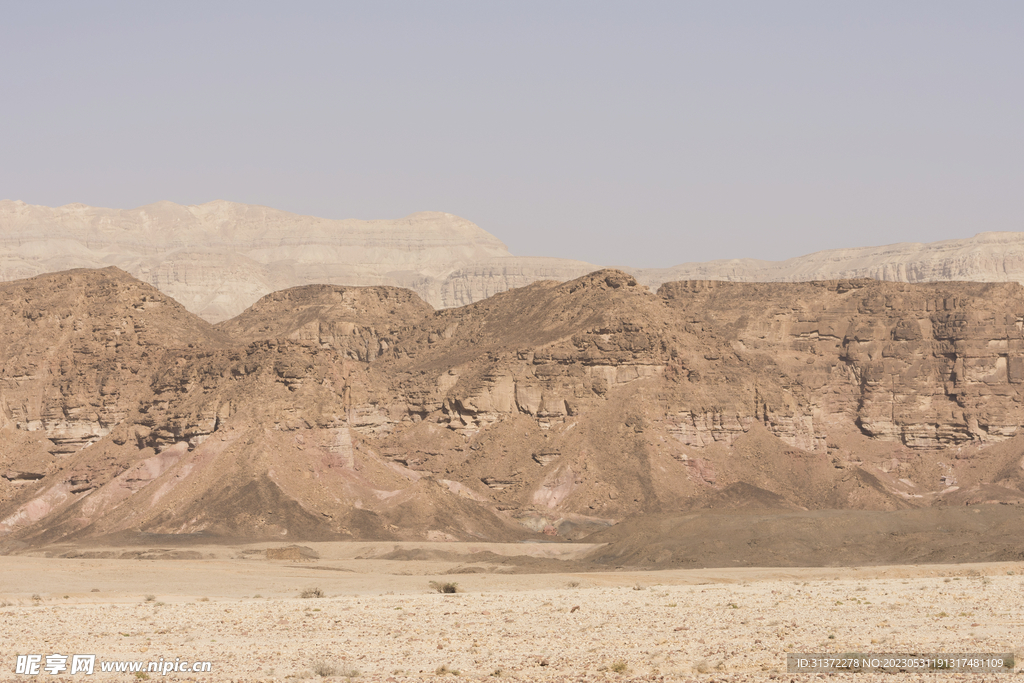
column 380, row 620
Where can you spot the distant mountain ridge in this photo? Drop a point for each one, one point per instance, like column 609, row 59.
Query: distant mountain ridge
column 218, row 258
column 986, row 257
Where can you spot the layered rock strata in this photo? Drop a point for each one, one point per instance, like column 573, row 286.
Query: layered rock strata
column 928, row 365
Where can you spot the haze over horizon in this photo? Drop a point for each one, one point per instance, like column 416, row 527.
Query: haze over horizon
column 648, row 137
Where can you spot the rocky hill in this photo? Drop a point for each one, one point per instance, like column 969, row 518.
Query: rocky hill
column 330, row 412
column 218, row 258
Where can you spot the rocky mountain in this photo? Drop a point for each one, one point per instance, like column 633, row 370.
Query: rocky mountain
column 218, row 258
column 331, row 412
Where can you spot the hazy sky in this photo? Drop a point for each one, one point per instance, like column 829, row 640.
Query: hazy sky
column 631, row 133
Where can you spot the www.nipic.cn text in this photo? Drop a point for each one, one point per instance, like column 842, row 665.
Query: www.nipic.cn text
column 33, row 665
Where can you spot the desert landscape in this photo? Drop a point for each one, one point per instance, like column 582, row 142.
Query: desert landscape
column 351, row 611
column 570, row 481
column 577, row 341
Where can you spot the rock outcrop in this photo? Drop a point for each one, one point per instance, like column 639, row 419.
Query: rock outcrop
column 78, row 351
column 332, row 412
column 928, row 366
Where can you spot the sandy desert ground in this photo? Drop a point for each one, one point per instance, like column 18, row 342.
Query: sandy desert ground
column 380, row 620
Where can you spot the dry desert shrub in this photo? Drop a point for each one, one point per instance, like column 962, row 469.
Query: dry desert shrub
column 445, row 587
column 619, row 666
column 323, row 668
column 312, row 593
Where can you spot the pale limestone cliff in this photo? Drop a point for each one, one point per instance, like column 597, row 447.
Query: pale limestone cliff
column 986, row 257
column 218, row 258
column 484, row 279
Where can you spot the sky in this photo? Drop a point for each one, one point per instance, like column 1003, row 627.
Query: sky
column 643, row 134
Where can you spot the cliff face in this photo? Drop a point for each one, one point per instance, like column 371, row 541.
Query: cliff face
column 338, row 412
column 79, row 349
column 928, row 366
